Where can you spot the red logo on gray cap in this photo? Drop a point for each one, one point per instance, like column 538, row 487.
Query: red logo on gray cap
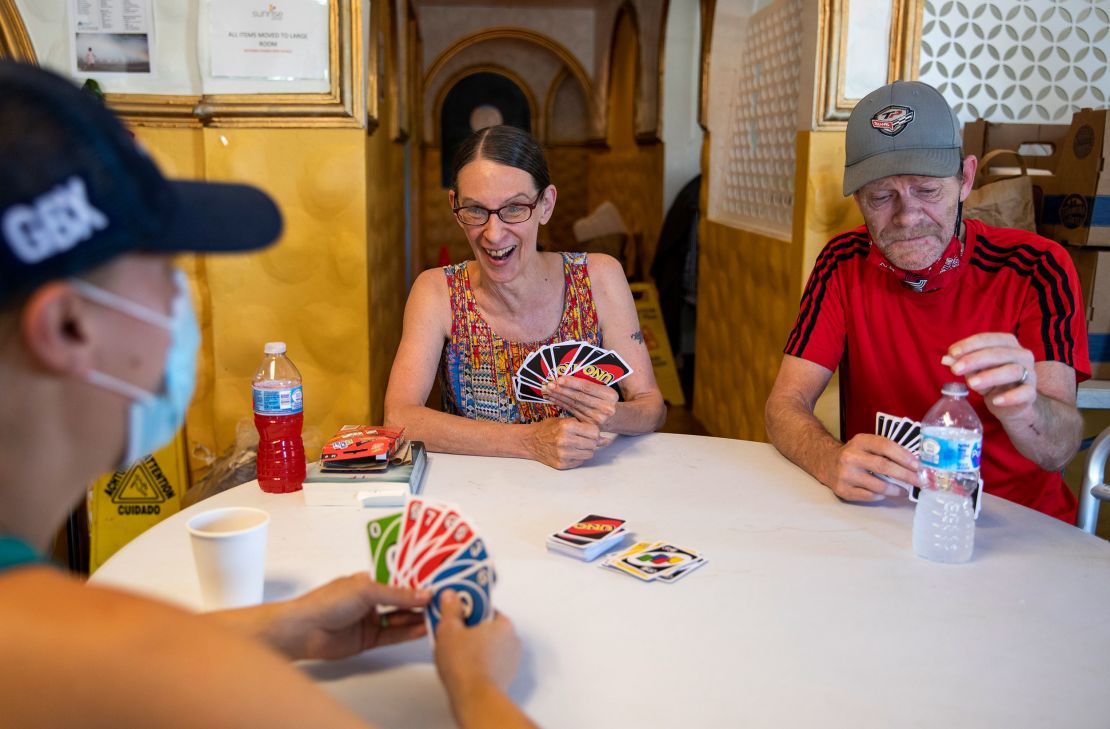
column 892, row 120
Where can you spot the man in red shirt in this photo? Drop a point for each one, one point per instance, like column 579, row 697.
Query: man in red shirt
column 918, row 297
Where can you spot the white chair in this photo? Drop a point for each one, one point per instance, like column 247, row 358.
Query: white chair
column 1094, row 489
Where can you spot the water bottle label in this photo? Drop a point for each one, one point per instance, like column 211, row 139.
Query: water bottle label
column 285, row 401
column 951, row 454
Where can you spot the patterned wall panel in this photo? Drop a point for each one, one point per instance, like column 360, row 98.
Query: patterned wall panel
column 752, row 175
column 632, row 179
column 1033, row 61
column 567, row 166
column 749, row 286
column 385, row 260
column 746, row 287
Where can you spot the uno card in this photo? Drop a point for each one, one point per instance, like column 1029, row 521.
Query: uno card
column 533, row 368
column 473, row 587
column 901, row 429
column 564, row 354
column 451, row 546
column 590, row 528
column 469, row 555
column 410, row 522
column 383, row 533
column 432, row 530
column 607, row 369
column 674, row 575
column 585, row 353
column 646, row 565
column 548, row 357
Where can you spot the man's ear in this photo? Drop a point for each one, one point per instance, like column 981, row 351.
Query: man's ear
column 968, row 167
column 55, row 328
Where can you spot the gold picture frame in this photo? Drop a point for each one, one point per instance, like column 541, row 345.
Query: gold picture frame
column 833, row 105
column 343, row 105
column 15, row 42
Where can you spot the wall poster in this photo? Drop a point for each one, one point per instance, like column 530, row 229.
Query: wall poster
column 111, row 36
column 278, row 41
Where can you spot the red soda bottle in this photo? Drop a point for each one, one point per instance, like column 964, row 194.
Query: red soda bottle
column 279, row 416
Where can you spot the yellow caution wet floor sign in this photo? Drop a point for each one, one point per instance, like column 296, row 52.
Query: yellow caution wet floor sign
column 126, row 503
column 658, row 345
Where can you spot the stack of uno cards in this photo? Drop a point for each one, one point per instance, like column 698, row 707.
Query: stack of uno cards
column 430, row 545
column 655, row 561
column 588, row 537
column 904, row 432
column 572, row 359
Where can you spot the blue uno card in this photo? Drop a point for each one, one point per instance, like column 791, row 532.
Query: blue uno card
column 473, row 587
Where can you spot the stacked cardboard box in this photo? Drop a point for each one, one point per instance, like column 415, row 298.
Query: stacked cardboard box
column 1071, row 190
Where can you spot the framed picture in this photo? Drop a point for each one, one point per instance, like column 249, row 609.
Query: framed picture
column 342, row 103
column 853, row 33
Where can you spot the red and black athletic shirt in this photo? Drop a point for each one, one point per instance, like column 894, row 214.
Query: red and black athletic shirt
column 888, row 340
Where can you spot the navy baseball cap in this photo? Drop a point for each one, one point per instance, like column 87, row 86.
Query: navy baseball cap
column 903, row 128
column 76, row 191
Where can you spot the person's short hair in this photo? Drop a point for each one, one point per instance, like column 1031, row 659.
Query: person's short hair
column 505, row 145
column 77, row 192
column 903, row 128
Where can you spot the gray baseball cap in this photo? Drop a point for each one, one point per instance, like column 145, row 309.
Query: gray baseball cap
column 903, row 128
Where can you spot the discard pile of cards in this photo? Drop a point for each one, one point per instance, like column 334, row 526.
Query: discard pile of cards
column 655, row 561
column 588, row 537
column 570, row 359
column 904, row 432
column 431, row 545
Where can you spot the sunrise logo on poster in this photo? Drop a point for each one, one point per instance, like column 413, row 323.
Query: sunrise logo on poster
column 270, row 12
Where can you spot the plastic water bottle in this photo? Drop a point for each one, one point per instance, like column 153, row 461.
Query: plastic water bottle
column 279, row 417
column 951, row 448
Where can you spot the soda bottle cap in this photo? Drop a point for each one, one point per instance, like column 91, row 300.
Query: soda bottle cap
column 954, row 389
column 274, row 348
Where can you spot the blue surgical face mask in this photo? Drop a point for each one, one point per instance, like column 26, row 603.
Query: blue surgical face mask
column 154, row 418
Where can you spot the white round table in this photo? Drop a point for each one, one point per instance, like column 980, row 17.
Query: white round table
column 810, row 612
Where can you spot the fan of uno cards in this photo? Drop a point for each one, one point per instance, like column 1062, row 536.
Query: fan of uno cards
column 430, row 545
column 572, row 359
column 906, row 433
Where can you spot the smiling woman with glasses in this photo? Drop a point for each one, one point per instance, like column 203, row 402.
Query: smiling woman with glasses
column 476, row 322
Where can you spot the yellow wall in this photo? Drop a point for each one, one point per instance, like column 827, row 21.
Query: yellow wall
column 749, row 286
column 332, row 288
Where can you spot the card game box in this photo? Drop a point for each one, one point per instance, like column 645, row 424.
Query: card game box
column 399, row 477
column 361, row 445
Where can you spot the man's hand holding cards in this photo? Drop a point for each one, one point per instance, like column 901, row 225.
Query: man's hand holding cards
column 431, row 545
column 904, row 432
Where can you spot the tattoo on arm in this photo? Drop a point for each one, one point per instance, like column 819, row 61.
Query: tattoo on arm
column 638, row 336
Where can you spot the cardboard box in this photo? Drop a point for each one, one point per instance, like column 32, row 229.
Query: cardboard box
column 1075, row 207
column 1028, row 140
column 1093, row 267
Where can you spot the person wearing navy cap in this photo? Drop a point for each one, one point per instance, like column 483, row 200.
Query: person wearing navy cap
column 98, row 347
column 919, row 296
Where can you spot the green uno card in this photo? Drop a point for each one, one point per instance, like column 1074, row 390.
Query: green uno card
column 383, row 533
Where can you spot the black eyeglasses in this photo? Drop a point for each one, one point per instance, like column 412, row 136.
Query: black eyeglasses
column 511, row 213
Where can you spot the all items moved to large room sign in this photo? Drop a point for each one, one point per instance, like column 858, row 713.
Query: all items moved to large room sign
column 285, row 40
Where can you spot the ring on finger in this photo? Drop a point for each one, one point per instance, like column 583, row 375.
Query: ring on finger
column 1024, row 375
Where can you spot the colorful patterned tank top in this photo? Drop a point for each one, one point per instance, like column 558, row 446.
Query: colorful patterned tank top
column 477, row 369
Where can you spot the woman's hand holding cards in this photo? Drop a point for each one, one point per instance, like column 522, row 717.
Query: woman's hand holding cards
column 852, row 474
column 587, row 401
column 562, row 442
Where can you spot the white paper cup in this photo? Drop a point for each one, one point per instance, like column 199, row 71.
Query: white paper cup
column 229, row 546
